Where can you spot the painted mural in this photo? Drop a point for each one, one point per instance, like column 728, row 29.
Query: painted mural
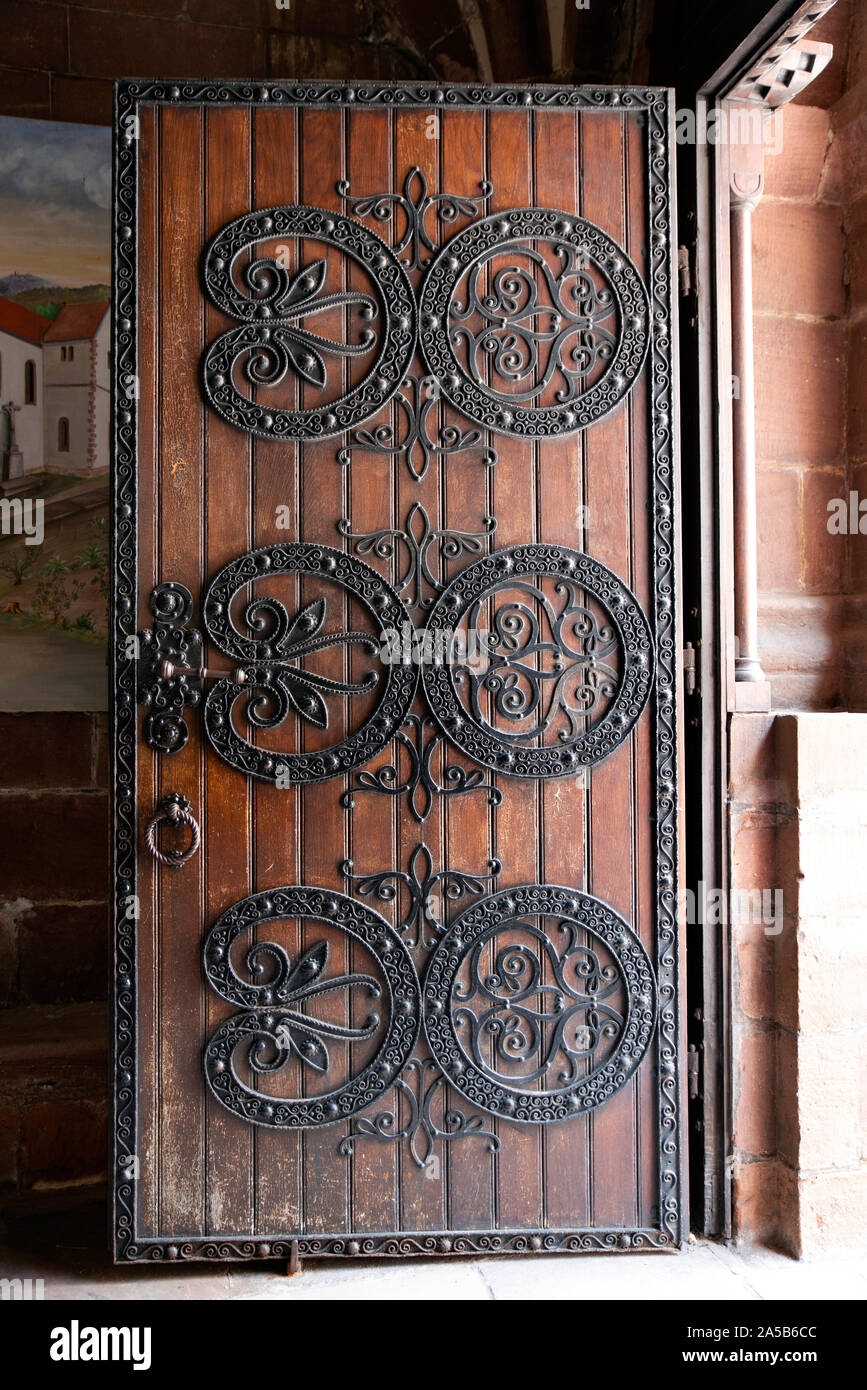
column 55, row 207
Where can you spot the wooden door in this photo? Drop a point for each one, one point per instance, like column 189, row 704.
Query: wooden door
column 395, row 671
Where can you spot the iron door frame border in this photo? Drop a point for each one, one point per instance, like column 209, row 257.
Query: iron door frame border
column 656, row 105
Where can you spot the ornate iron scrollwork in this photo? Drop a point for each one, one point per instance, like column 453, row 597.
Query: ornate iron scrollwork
column 415, row 202
column 534, row 644
column 420, row 785
column 422, row 886
column 420, row 1086
column 265, row 659
column 565, row 332
column 278, row 1023
column 536, row 1023
column 269, row 674
column 164, row 691
column 415, row 400
column 273, row 339
column 418, row 538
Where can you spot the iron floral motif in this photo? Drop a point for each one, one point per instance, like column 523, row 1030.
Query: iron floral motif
column 415, row 399
column 504, row 997
column 593, row 320
column 418, row 537
column 516, row 685
column 275, row 1027
column 171, row 640
column 421, row 883
column 420, row 784
column 415, row 202
column 273, row 339
column 421, row 1129
column 273, row 688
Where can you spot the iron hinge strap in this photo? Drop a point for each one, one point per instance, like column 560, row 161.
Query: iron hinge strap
column 685, row 261
column 689, row 669
column 693, row 1071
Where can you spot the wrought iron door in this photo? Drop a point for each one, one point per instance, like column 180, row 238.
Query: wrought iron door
column 395, row 672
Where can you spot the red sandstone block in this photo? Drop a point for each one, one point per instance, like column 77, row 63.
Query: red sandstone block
column 825, row 553
column 10, row 1140
column 832, row 28
column 46, row 750
column 753, row 848
column 800, row 390
column 845, row 176
column 754, row 779
column 53, row 1050
column 800, row 633
column 35, row 37
column 858, row 543
column 798, row 257
column 160, row 46
column 754, row 1201
column 856, row 245
column 795, row 171
column 811, row 691
column 786, row 1092
column 252, row 14
column 57, row 843
column 25, row 93
column 102, row 759
column 857, row 441
column 778, row 503
column 83, row 100
column 64, row 954
column 756, row 978
column 63, row 1142
column 755, row 1115
column 858, row 45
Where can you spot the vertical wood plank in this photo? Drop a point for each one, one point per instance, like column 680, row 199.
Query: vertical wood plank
column 226, row 845
column 519, row 1161
column 466, row 485
column 608, row 532
column 561, row 519
column 181, row 895
column 373, row 1166
column 326, row 1189
column 277, row 810
column 147, row 927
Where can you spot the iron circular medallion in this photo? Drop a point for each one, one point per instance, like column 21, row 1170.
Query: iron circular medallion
column 276, row 339
column 539, row 1003
column 281, row 1023
column 534, row 323
column 541, row 661
column 273, row 676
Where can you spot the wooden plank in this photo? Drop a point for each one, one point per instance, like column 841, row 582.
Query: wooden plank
column 564, row 821
column 421, row 1189
column 608, row 540
column 147, row 1138
column 181, row 897
column 277, row 810
column 326, row 1189
column 226, row 842
column 467, row 499
column 519, row 1161
column 373, row 1166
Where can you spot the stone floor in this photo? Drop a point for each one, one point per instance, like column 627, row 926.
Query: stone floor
column 68, row 1251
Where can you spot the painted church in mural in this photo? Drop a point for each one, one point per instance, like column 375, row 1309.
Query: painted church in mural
column 54, row 390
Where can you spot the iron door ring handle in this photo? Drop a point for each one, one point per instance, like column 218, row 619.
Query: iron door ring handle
column 174, row 809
